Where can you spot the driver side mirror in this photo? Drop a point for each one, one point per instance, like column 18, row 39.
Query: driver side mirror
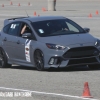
column 87, row 30
column 27, row 35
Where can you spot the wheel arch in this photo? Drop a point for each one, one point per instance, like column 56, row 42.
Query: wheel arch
column 37, row 49
column 5, row 53
column 5, row 59
column 42, row 55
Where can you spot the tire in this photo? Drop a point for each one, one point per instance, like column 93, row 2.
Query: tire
column 3, row 59
column 95, row 66
column 39, row 60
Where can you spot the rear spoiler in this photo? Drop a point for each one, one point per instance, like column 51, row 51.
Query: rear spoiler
column 11, row 19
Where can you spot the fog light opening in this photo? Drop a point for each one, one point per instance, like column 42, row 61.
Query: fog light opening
column 52, row 60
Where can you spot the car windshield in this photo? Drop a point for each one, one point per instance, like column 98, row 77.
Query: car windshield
column 56, row 27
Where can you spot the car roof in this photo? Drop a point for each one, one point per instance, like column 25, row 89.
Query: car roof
column 33, row 19
column 41, row 18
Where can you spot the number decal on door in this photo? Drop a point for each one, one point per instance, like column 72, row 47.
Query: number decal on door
column 27, row 50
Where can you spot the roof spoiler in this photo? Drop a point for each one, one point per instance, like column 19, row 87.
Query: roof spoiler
column 11, row 19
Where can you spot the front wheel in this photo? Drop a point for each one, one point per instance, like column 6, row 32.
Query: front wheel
column 39, row 60
column 3, row 59
column 94, row 66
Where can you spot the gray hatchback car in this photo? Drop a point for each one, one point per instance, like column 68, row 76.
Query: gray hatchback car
column 47, row 41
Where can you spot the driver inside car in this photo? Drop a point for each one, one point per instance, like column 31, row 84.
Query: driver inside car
column 25, row 29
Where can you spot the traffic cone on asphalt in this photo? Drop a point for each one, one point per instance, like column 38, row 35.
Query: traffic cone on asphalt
column 2, row 5
column 43, row 9
column 29, row 4
column 97, row 13
column 86, row 91
column 19, row 4
column 90, row 15
column 11, row 3
column 35, row 13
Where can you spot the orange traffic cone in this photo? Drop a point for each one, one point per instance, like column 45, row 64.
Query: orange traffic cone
column 29, row 3
column 97, row 13
column 2, row 5
column 11, row 3
column 86, row 91
column 35, row 13
column 19, row 4
column 90, row 15
column 43, row 9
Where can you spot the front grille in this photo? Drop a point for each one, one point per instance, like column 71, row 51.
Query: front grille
column 82, row 61
column 81, row 52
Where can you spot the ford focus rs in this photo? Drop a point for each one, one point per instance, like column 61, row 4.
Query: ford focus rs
column 47, row 41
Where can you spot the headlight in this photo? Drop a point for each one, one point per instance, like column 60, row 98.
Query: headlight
column 97, row 43
column 55, row 46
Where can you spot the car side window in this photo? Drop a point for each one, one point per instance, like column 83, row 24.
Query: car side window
column 5, row 29
column 14, row 28
column 25, row 28
column 72, row 28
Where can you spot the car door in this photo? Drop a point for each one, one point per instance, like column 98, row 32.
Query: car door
column 23, row 45
column 10, row 39
column 15, row 46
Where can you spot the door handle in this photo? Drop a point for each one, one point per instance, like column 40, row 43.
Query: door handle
column 18, row 42
column 5, row 39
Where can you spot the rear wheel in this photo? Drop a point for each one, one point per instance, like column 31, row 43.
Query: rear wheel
column 95, row 66
column 39, row 60
column 3, row 59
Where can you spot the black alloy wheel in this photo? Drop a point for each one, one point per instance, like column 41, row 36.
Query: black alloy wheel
column 3, row 59
column 94, row 66
column 39, row 60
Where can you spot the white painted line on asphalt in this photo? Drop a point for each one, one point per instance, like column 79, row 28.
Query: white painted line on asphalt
column 2, row 19
column 11, row 15
column 80, row 17
column 46, row 93
column 84, row 18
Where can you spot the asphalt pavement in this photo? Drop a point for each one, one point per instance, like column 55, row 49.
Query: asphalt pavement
column 52, row 84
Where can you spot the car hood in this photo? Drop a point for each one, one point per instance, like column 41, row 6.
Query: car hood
column 69, row 39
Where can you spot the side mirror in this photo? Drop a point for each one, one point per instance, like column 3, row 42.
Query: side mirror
column 87, row 30
column 27, row 35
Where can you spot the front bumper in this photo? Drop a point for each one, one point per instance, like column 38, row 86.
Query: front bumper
column 63, row 62
column 76, row 56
